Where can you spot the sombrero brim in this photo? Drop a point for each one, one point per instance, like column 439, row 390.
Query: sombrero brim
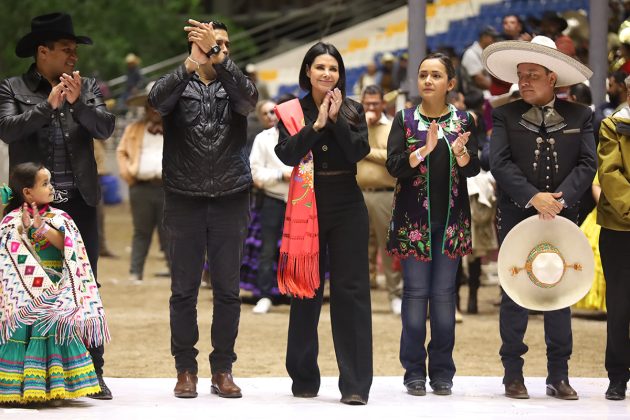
column 572, row 244
column 502, row 58
column 27, row 44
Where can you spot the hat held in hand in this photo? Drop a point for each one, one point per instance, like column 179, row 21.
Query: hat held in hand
column 546, row 265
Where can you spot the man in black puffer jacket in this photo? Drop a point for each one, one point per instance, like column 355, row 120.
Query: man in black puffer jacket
column 204, row 104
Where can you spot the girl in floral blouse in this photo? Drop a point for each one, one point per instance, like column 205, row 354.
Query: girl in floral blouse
column 431, row 151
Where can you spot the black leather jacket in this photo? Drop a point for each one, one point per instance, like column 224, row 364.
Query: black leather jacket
column 205, row 130
column 25, row 117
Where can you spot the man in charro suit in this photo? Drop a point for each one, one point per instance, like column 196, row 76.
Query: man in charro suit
column 542, row 155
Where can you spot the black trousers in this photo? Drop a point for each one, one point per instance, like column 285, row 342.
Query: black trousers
column 343, row 241
column 85, row 217
column 513, row 318
column 615, row 254
column 196, row 226
column 271, row 220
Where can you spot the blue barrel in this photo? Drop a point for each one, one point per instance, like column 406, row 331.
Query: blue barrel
column 110, row 189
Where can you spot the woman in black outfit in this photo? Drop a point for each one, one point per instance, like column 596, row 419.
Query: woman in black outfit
column 336, row 132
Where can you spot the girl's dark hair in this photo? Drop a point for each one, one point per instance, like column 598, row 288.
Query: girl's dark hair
column 315, row 51
column 21, row 176
column 444, row 59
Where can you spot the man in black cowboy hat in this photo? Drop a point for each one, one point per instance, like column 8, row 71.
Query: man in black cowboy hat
column 50, row 115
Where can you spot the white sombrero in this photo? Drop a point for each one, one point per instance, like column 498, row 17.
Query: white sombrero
column 502, row 58
column 546, row 265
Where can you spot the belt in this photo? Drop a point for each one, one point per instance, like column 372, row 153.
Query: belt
column 333, row 173
column 390, row 189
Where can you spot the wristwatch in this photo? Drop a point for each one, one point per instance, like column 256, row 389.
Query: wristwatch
column 213, row 51
column 561, row 201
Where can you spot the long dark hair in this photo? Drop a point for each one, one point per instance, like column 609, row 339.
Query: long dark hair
column 22, row 176
column 321, row 48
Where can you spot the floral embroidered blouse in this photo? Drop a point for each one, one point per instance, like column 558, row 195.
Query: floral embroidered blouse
column 410, row 227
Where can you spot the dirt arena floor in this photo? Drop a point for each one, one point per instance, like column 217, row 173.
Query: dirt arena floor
column 139, row 324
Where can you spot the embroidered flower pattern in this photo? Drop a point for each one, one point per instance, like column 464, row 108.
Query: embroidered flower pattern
column 457, row 238
column 409, row 233
column 305, row 176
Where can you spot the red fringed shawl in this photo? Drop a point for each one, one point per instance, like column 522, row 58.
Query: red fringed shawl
column 298, row 266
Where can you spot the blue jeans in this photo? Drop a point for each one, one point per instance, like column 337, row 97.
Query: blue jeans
column 429, row 284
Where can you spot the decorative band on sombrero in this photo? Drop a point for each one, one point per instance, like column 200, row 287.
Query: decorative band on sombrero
column 545, row 266
column 502, row 58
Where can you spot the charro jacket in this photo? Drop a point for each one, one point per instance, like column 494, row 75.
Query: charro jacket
column 205, row 130
column 25, row 121
column 526, row 159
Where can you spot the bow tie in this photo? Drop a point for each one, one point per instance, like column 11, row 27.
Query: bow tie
column 538, row 117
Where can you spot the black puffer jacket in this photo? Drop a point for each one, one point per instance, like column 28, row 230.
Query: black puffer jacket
column 25, row 117
column 205, row 130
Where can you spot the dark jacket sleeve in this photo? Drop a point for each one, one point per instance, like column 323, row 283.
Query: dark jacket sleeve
column 508, row 175
column 90, row 112
column 581, row 176
column 241, row 91
column 15, row 126
column 291, row 149
column 166, row 91
column 397, row 153
column 472, row 168
column 353, row 139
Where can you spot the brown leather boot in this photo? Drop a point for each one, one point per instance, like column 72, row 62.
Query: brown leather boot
column 186, row 386
column 223, row 385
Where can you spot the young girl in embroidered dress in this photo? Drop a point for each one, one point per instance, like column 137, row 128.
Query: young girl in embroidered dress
column 431, row 151
column 49, row 303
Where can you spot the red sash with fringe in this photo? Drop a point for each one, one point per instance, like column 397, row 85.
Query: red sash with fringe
column 298, row 266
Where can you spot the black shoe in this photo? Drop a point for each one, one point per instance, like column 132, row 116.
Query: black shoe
column 616, row 391
column 354, row 399
column 416, row 388
column 105, row 393
column 441, row 388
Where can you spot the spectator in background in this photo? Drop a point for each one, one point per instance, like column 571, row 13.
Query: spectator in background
column 272, row 176
column 400, row 73
column 388, row 61
column 552, row 25
column 616, row 91
column 372, row 76
column 471, row 60
column 252, row 72
column 139, row 155
column 135, row 80
column 378, row 191
column 514, row 29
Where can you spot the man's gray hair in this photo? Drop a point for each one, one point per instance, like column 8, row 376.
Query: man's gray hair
column 627, row 82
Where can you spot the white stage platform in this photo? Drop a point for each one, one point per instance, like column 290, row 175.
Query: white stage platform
column 270, row 398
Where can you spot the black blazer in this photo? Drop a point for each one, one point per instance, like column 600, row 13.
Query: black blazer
column 338, row 147
column 513, row 154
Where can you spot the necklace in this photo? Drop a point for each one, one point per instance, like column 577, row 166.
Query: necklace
column 445, row 110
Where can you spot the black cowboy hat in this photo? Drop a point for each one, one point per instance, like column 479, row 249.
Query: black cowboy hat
column 50, row 27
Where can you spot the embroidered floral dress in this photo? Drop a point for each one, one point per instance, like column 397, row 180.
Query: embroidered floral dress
column 33, row 366
column 410, row 227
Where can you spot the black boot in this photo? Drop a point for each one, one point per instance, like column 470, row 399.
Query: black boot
column 474, row 275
